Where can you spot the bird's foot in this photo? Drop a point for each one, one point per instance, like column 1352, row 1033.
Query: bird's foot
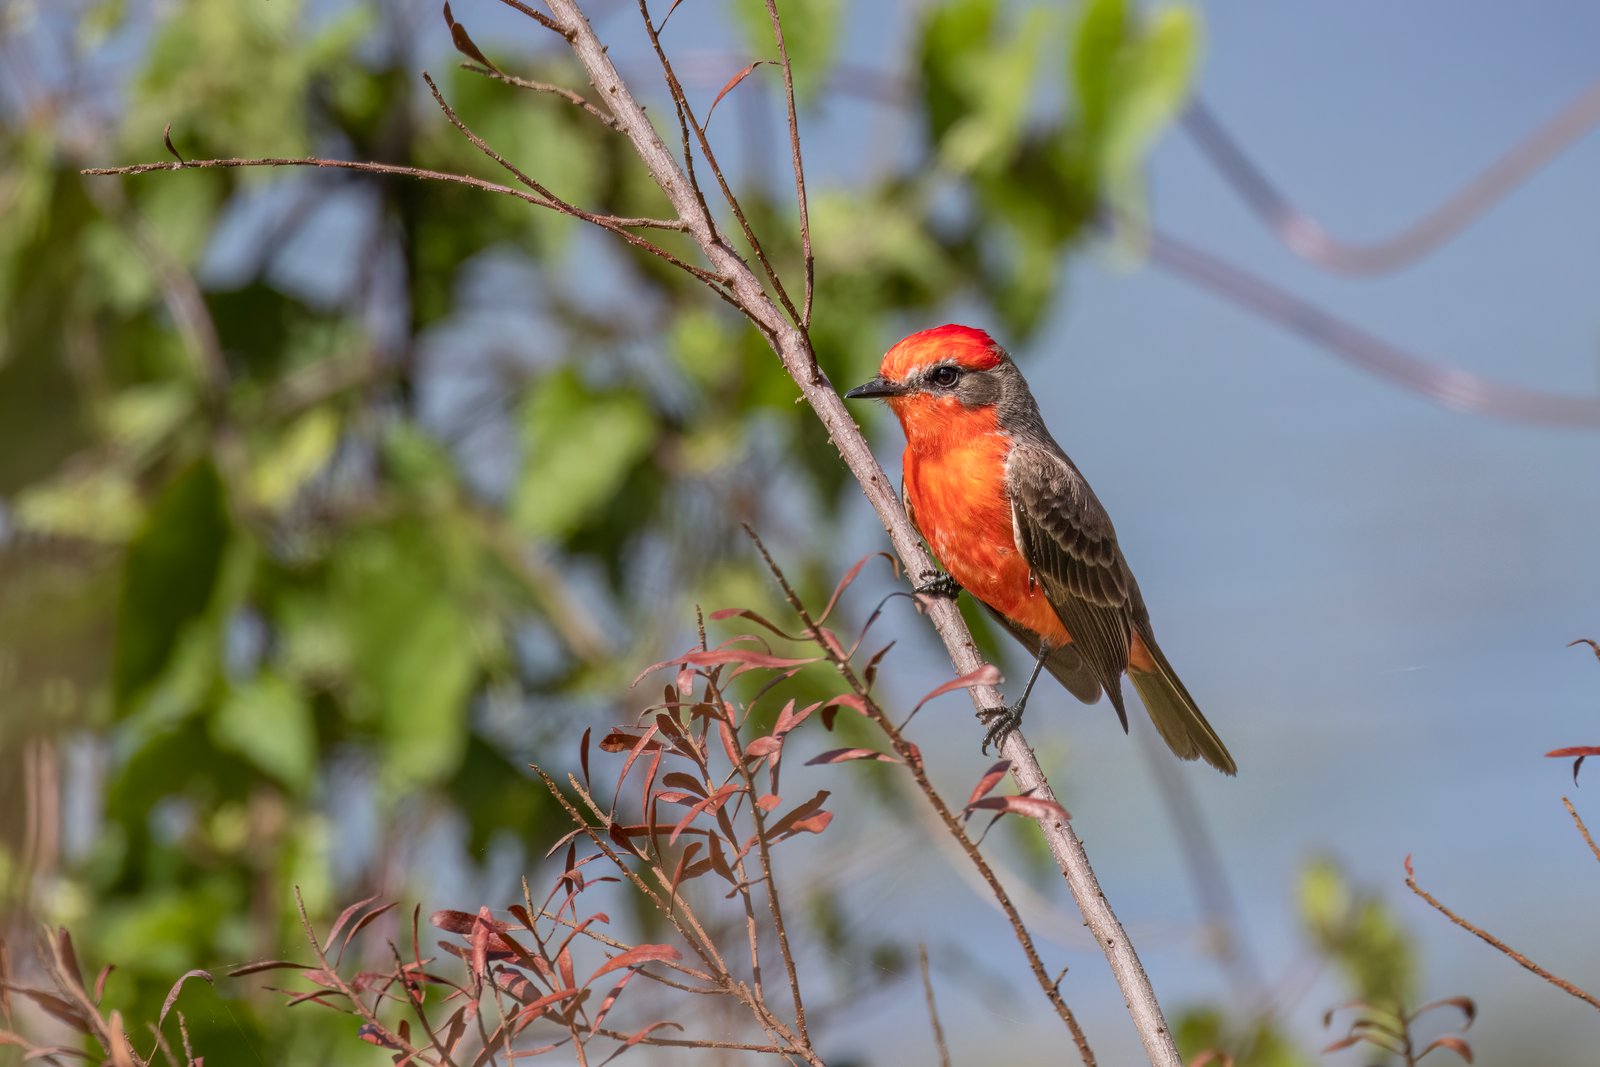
column 1001, row 721
column 941, row 585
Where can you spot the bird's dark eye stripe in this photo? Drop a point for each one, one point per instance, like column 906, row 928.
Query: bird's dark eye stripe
column 945, row 376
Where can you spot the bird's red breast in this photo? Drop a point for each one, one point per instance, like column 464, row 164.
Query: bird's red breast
column 955, row 483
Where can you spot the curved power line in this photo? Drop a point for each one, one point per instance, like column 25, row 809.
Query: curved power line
column 1307, row 238
column 1451, row 387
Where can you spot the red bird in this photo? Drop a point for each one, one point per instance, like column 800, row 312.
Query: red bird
column 1016, row 525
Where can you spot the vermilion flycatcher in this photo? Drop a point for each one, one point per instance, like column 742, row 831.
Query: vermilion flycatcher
column 1015, row 524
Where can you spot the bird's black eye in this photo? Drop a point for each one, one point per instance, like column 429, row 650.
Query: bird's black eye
column 944, row 376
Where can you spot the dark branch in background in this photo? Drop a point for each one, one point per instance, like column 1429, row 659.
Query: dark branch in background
column 1308, row 239
column 1452, row 387
column 933, row 1009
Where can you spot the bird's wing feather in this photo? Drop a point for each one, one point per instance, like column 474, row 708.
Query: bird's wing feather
column 1065, row 663
column 1067, row 538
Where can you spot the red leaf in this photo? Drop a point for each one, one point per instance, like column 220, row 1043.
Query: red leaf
column 983, row 674
column 710, row 803
column 638, row 1037
column 583, row 755
column 68, row 955
column 611, row 998
column 464, row 45
column 763, row 746
column 638, row 956
column 687, row 782
column 1031, row 807
column 830, row 710
column 537, row 1007
column 807, row 817
column 1577, row 750
column 768, row 801
column 452, row 922
column 266, row 965
column 844, row 755
column 638, row 747
column 1465, row 1005
column 361, row 924
column 1454, row 1044
column 850, row 576
column 177, row 987
column 622, row 741
column 990, row 779
column 732, row 82
column 745, row 613
column 349, row 913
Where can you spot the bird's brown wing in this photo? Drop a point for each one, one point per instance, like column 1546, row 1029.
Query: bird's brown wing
column 1067, row 538
column 1066, row 663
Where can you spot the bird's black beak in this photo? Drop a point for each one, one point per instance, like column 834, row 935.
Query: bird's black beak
column 877, row 387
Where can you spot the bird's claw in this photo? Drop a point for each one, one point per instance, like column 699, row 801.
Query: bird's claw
column 1001, row 721
column 942, row 586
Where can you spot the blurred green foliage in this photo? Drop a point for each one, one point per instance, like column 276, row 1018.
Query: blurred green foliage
column 1351, row 931
column 327, row 500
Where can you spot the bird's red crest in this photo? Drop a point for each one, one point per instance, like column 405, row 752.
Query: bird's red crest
column 966, row 345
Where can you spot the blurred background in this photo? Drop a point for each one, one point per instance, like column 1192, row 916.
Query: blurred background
column 329, row 501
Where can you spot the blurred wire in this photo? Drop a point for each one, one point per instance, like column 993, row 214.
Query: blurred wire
column 1452, row 387
column 1307, row 238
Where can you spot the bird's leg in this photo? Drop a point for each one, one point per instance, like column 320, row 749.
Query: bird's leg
column 1002, row 721
column 941, row 585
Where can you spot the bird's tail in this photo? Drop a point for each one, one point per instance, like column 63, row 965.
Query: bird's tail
column 1173, row 710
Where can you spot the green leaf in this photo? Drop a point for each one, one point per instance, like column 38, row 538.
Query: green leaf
column 268, row 723
column 96, row 504
column 412, row 650
column 1359, row 934
column 1153, row 87
column 1001, row 85
column 1131, row 78
column 581, row 446
column 168, row 578
column 1097, row 47
column 302, row 449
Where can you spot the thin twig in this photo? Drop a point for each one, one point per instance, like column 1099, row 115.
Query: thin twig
column 540, row 17
column 933, row 1009
column 694, row 1042
column 344, row 988
column 1582, row 829
column 764, row 855
column 795, row 160
column 575, row 98
column 1500, row 946
column 682, row 100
